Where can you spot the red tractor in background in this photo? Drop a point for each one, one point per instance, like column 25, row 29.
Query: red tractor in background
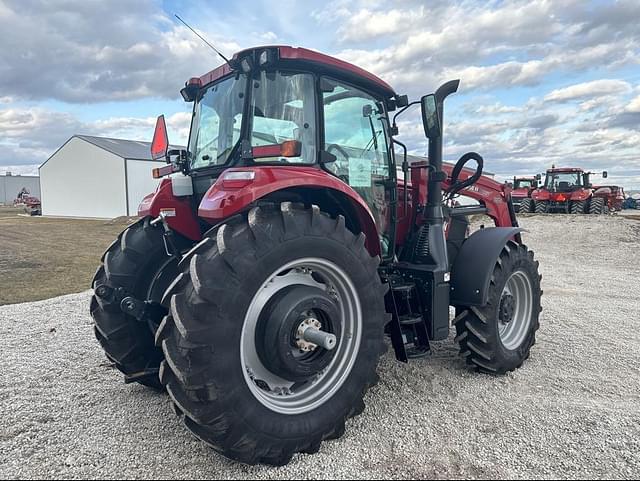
column 613, row 194
column 29, row 203
column 569, row 190
column 263, row 275
column 521, row 194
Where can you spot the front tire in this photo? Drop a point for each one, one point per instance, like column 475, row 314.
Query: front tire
column 232, row 368
column 497, row 338
column 137, row 264
column 526, row 206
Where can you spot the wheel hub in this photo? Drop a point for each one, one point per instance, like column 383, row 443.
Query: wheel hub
column 308, row 323
column 297, row 331
column 507, row 308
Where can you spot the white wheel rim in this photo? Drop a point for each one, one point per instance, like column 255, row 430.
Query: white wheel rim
column 515, row 331
column 283, row 396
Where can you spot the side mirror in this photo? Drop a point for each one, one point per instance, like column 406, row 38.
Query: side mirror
column 605, row 174
column 538, row 176
column 160, row 143
column 430, row 117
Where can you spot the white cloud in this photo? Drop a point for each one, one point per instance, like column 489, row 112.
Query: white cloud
column 31, row 135
column 634, row 105
column 269, row 36
column 595, row 88
column 99, row 51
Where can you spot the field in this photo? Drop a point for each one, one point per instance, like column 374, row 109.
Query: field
column 42, row 258
column 570, row 412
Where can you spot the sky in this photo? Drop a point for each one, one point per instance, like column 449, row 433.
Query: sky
column 542, row 82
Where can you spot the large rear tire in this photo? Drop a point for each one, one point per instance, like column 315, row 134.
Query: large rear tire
column 136, row 264
column 541, row 207
column 232, row 364
column 526, row 206
column 578, row 207
column 597, row 206
column 497, row 338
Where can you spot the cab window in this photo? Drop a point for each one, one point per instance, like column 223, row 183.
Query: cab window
column 283, row 108
column 355, row 132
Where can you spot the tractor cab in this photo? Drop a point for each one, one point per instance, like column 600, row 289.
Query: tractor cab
column 281, row 107
column 565, row 180
column 524, row 183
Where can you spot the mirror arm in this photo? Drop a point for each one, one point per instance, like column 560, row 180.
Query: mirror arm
column 394, row 127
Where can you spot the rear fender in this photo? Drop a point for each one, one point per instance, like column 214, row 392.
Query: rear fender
column 474, row 264
column 540, row 195
column 225, row 198
column 580, row 195
column 178, row 210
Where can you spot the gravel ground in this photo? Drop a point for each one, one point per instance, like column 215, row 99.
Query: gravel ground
column 573, row 410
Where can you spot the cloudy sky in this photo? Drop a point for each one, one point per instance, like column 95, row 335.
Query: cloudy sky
column 542, row 82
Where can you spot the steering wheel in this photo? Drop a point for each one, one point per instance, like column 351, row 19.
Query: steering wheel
column 343, row 153
column 457, row 186
column 338, row 149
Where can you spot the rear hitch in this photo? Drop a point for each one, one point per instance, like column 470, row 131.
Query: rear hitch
column 142, row 311
column 110, row 294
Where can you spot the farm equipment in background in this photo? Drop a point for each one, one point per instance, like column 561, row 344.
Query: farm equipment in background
column 263, row 275
column 29, row 203
column 632, row 202
column 569, row 191
column 612, row 194
column 521, row 194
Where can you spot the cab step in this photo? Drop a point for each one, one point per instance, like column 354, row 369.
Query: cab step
column 147, row 374
column 410, row 320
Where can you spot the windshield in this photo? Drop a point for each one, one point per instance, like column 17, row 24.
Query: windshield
column 217, row 119
column 523, row 184
column 562, row 180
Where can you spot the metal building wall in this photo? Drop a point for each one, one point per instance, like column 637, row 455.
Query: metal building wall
column 140, row 182
column 10, row 185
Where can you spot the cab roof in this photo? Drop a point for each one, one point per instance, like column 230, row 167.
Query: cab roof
column 565, row 169
column 316, row 61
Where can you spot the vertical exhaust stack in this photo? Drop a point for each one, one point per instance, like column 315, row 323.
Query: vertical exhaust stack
column 435, row 250
column 434, row 195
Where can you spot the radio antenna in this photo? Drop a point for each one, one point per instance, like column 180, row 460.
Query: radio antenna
column 203, row 39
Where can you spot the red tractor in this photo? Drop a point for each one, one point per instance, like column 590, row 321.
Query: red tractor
column 613, row 194
column 29, row 203
column 569, row 190
column 262, row 277
column 521, row 195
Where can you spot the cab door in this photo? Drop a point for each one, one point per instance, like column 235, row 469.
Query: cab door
column 355, row 131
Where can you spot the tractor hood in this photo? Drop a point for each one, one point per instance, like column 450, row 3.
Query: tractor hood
column 520, row 193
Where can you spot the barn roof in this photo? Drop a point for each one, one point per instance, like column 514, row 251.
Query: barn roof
column 127, row 149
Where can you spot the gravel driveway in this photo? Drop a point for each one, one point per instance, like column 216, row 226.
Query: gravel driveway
column 573, row 410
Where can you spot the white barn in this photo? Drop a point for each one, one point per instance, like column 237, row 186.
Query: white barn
column 97, row 177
